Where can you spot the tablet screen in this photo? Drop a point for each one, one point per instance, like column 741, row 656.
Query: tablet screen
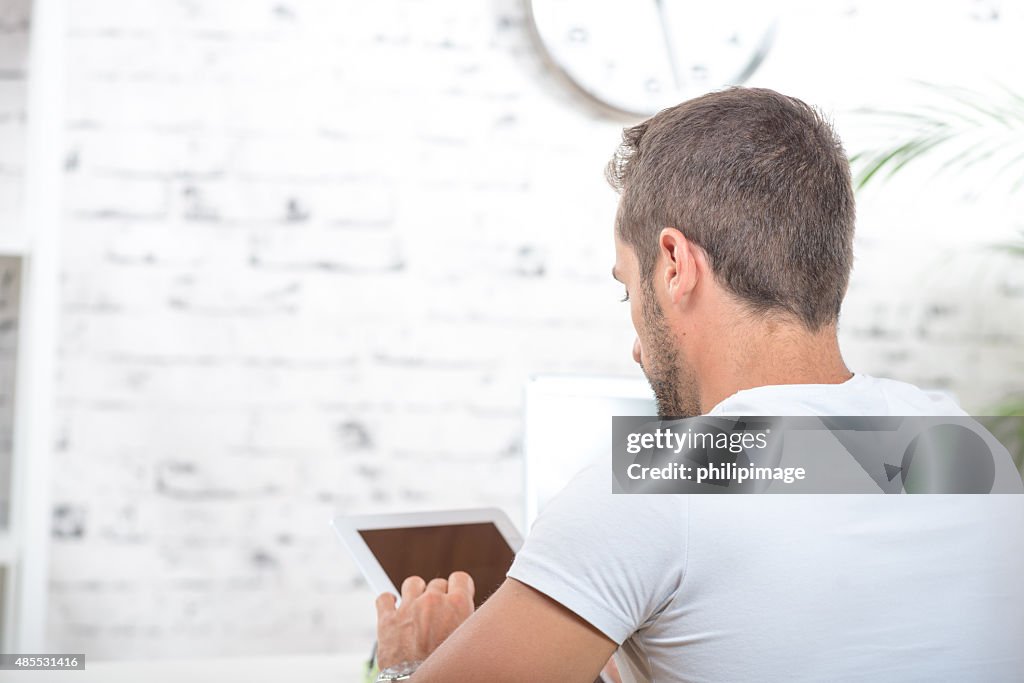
column 437, row 551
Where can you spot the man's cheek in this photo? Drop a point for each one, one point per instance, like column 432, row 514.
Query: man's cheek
column 636, row 317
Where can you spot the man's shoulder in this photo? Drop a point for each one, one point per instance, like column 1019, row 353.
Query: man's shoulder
column 904, row 398
column 862, row 394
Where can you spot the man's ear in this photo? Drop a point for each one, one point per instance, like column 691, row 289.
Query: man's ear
column 677, row 263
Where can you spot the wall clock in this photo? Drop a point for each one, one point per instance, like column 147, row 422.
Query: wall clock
column 636, row 57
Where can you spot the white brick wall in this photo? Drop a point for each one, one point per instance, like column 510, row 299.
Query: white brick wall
column 312, row 250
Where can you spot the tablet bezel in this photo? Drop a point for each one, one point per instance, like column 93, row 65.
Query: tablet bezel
column 348, row 527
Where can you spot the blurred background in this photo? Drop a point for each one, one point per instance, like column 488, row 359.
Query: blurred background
column 270, row 261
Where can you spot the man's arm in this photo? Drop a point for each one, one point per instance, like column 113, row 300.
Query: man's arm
column 519, row 634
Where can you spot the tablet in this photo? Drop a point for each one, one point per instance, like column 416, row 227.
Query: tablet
column 388, row 548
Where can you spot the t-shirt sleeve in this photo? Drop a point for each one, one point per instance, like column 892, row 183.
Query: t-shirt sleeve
column 616, row 560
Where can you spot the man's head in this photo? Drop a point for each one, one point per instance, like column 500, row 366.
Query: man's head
column 736, row 207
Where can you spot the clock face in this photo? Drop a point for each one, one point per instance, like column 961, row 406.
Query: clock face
column 639, row 56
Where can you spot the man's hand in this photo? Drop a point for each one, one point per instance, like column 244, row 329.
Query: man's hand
column 428, row 614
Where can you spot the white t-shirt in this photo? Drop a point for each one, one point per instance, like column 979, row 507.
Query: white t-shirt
column 792, row 587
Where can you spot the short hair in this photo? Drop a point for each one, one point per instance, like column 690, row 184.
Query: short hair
column 760, row 182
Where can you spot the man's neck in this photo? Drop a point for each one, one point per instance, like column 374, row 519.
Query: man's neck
column 769, row 353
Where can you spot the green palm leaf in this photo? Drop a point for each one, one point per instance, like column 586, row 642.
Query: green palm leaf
column 956, row 128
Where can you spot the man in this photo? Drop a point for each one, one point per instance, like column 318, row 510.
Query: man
column 734, row 244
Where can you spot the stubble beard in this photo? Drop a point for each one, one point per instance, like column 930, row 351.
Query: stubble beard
column 671, row 378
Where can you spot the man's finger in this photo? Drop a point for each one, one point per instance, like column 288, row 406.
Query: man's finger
column 461, row 582
column 437, row 585
column 412, row 588
column 385, row 604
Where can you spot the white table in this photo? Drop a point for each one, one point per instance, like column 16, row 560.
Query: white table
column 343, row 668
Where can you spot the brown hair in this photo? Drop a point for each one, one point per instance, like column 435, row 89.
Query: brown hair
column 757, row 180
